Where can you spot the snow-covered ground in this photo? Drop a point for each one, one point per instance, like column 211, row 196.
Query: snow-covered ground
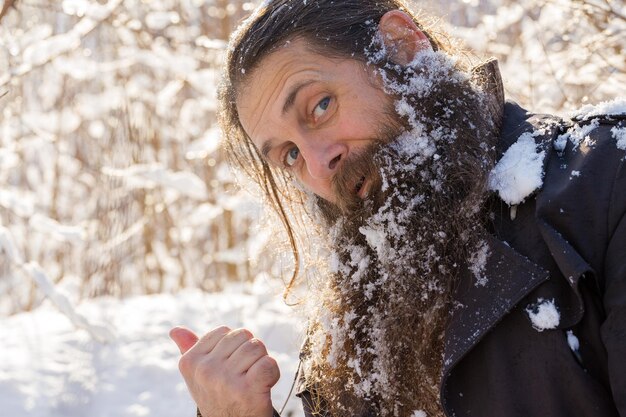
column 49, row 368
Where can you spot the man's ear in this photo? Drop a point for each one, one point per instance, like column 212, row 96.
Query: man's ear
column 401, row 37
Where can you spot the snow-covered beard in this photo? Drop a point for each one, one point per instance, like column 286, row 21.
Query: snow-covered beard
column 376, row 337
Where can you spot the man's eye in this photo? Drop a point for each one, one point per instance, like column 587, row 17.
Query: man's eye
column 292, row 156
column 321, row 108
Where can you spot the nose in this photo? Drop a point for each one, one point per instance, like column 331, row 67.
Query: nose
column 322, row 160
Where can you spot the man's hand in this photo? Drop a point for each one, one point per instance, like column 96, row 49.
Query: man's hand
column 228, row 372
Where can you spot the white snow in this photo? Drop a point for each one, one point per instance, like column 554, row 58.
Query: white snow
column 577, row 135
column 43, row 51
column 572, row 341
column 560, row 142
column 53, row 122
column 205, row 145
column 50, row 368
column 519, row 172
column 158, row 20
column 580, row 134
column 544, row 315
column 376, row 238
column 56, row 230
column 619, row 133
column 62, row 302
column 208, row 43
column 477, row 264
column 19, row 201
column 152, row 175
column 610, row 108
column 75, row 7
column 9, row 250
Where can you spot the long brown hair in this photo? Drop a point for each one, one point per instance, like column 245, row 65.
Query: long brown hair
column 339, row 29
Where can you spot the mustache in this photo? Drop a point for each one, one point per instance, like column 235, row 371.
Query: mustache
column 362, row 166
column 351, row 174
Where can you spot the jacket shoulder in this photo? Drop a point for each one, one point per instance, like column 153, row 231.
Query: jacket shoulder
column 582, row 198
column 613, row 110
column 596, row 126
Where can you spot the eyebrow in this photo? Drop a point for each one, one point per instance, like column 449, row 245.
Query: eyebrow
column 289, row 102
column 293, row 93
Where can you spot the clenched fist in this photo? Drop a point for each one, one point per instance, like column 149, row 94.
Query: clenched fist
column 228, row 372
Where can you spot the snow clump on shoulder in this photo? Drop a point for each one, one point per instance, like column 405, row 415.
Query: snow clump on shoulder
column 615, row 107
column 519, row 172
column 587, row 118
column 577, row 135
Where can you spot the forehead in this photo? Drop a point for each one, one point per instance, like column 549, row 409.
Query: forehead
column 263, row 92
column 287, row 64
column 293, row 58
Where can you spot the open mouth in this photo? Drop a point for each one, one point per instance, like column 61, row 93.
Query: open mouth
column 360, row 189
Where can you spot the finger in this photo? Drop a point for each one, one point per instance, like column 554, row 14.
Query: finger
column 231, row 342
column 264, row 373
column 246, row 355
column 207, row 343
column 190, row 359
column 184, row 338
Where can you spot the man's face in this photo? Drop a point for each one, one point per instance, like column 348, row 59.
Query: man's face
column 314, row 116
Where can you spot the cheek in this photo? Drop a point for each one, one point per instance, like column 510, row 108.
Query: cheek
column 364, row 114
column 358, row 122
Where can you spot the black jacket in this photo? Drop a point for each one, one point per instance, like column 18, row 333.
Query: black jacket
column 567, row 244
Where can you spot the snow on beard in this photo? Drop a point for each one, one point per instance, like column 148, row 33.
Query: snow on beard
column 376, row 338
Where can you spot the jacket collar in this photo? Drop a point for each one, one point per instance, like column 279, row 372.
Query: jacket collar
column 508, row 277
column 488, row 76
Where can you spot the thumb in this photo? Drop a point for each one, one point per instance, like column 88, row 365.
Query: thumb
column 184, row 338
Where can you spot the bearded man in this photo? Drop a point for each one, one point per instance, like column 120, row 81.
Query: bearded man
column 477, row 259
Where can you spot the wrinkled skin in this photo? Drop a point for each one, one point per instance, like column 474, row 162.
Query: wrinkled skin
column 228, row 372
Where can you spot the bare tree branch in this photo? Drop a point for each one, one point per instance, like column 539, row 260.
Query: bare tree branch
column 78, row 32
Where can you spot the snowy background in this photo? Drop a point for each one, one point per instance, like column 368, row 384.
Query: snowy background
column 51, row 368
column 119, row 217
